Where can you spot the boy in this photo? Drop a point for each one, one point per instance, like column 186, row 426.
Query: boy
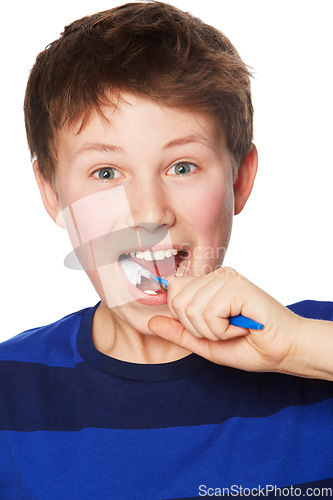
column 139, row 120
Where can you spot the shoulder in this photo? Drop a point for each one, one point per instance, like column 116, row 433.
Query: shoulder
column 313, row 309
column 53, row 344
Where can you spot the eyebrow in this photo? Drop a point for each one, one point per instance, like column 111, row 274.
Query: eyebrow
column 97, row 146
column 183, row 141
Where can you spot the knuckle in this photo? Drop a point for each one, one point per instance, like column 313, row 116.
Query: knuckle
column 228, row 273
column 207, row 317
column 191, row 310
column 210, row 313
column 177, row 303
column 232, row 274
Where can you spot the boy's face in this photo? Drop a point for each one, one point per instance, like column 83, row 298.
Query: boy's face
column 149, row 177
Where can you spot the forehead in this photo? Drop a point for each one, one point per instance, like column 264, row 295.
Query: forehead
column 136, row 116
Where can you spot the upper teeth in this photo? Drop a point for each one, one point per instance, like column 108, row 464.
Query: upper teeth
column 157, row 255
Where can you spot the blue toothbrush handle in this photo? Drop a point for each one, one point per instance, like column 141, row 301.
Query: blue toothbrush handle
column 163, row 281
column 241, row 321
column 244, row 322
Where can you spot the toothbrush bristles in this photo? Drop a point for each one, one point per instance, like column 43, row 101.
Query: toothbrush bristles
column 135, row 271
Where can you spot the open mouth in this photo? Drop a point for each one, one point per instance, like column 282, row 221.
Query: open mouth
column 164, row 263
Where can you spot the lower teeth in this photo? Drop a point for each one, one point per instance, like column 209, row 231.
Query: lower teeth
column 181, row 269
column 150, row 292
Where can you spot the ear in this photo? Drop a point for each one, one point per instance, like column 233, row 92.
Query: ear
column 245, row 179
column 49, row 196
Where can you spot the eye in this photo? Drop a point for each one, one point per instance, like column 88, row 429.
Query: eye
column 106, row 173
column 182, row 168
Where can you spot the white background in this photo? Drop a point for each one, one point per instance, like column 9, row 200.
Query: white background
column 283, row 239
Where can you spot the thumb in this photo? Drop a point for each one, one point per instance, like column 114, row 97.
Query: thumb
column 167, row 328
column 173, row 331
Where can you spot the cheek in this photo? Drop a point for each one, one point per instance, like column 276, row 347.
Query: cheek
column 211, row 212
column 97, row 215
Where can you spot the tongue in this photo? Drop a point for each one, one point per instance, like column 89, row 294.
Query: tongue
column 147, row 284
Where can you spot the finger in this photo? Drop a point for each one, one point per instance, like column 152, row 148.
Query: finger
column 193, row 319
column 195, row 311
column 173, row 331
column 181, row 291
column 203, row 305
column 182, row 307
column 183, row 319
column 230, row 332
column 218, row 324
column 215, row 302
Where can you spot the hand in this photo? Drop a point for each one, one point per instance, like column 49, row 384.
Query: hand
column 200, row 308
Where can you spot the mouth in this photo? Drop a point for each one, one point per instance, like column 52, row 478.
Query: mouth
column 164, row 263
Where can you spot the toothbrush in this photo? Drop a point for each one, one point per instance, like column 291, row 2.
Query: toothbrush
column 134, row 272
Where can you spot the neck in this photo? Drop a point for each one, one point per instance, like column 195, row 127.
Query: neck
column 115, row 337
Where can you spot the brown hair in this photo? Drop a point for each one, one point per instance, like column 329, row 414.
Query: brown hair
column 149, row 48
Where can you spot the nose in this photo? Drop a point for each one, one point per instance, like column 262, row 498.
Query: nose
column 150, row 204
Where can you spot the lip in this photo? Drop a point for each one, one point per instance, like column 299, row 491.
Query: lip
column 152, row 300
